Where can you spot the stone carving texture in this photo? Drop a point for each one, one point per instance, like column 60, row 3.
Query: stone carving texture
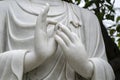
column 52, row 41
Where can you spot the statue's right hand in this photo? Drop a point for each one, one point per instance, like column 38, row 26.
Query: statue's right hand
column 44, row 46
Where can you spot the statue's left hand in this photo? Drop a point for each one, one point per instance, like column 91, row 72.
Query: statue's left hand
column 74, row 50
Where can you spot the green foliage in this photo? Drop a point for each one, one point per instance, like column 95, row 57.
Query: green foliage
column 118, row 18
column 69, row 1
column 104, row 11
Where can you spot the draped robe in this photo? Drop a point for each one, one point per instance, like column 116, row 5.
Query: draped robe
column 17, row 24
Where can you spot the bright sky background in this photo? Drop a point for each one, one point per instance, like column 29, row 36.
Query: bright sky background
column 117, row 4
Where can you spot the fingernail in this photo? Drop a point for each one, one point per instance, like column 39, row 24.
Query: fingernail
column 57, row 27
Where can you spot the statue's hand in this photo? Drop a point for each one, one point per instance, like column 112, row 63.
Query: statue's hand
column 70, row 43
column 44, row 45
column 74, row 50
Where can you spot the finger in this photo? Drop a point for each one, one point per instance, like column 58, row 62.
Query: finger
column 66, row 30
column 57, row 27
column 45, row 12
column 41, row 20
column 64, row 37
column 60, row 41
column 53, row 22
column 75, row 36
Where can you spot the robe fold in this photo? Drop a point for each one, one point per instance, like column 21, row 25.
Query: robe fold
column 17, row 23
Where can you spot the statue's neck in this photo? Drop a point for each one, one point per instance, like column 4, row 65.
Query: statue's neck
column 51, row 2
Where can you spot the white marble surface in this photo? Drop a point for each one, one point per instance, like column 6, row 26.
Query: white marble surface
column 50, row 42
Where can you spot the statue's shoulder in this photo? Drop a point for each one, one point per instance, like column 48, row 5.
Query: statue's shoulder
column 84, row 14
column 81, row 11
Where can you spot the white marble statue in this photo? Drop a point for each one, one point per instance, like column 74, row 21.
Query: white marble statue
column 50, row 40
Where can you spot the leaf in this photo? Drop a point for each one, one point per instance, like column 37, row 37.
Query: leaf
column 108, row 6
column 110, row 17
column 118, row 18
column 97, row 2
column 78, row 2
column 88, row 4
column 108, row 1
column 118, row 35
column 113, row 39
column 118, row 28
column 100, row 16
column 112, row 31
column 118, row 39
column 86, row 0
column 118, row 42
column 102, row 1
column 103, row 11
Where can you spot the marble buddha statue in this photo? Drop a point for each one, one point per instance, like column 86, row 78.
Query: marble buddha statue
column 50, row 40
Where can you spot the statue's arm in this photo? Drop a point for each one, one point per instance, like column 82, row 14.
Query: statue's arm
column 93, row 36
column 95, row 46
column 9, row 61
column 29, row 57
column 31, row 60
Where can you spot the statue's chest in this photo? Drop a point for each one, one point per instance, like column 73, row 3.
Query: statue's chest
column 22, row 24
